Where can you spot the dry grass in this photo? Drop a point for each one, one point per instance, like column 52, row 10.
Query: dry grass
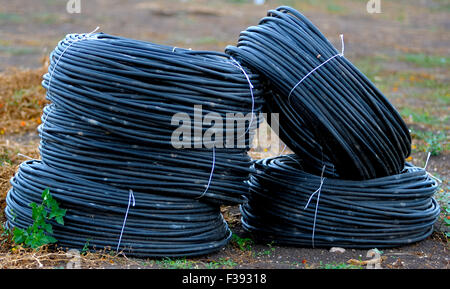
column 21, row 99
column 11, row 257
column 10, row 159
column 6, row 172
column 50, row 257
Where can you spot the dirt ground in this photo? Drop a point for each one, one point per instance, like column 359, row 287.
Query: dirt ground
column 404, row 50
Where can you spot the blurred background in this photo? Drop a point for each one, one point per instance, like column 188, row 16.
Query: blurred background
column 406, row 31
column 401, row 45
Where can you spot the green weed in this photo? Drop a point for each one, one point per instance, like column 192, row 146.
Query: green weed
column 5, row 234
column 85, row 247
column 244, row 244
column 269, row 251
column 443, row 197
column 39, row 233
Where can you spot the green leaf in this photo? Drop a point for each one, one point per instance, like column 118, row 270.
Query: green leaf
column 19, row 235
column 45, row 195
column 47, row 240
column 60, row 220
column 48, row 228
column 34, row 210
column 39, row 233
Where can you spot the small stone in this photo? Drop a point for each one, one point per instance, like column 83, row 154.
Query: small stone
column 337, row 250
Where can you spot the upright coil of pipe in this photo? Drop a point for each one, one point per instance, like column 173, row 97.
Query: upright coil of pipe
column 158, row 226
column 330, row 114
column 76, row 147
column 107, row 136
column 133, row 88
column 290, row 206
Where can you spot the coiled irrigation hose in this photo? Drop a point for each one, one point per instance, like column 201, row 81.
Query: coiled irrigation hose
column 133, row 88
column 158, row 226
column 73, row 146
column 290, row 206
column 106, row 139
column 329, row 111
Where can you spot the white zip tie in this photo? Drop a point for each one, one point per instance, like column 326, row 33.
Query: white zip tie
column 426, row 162
column 211, row 174
column 435, row 178
column 431, row 176
column 251, row 93
column 74, row 41
column 25, row 156
column 323, row 63
column 130, row 196
column 285, row 146
column 45, row 120
column 322, row 179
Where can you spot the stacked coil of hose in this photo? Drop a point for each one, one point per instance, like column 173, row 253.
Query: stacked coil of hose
column 133, row 88
column 330, row 112
column 73, row 146
column 382, row 212
column 107, row 136
column 156, row 226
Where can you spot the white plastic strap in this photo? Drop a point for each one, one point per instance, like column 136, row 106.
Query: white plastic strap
column 238, row 65
column 211, row 174
column 25, row 156
column 425, row 167
column 323, row 63
column 285, row 146
column 322, row 179
column 45, row 120
column 130, row 197
column 56, row 64
column 426, row 162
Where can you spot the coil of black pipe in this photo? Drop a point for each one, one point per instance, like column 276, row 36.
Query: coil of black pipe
column 107, row 136
column 383, row 212
column 335, row 115
column 70, row 145
column 158, row 226
column 133, row 88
